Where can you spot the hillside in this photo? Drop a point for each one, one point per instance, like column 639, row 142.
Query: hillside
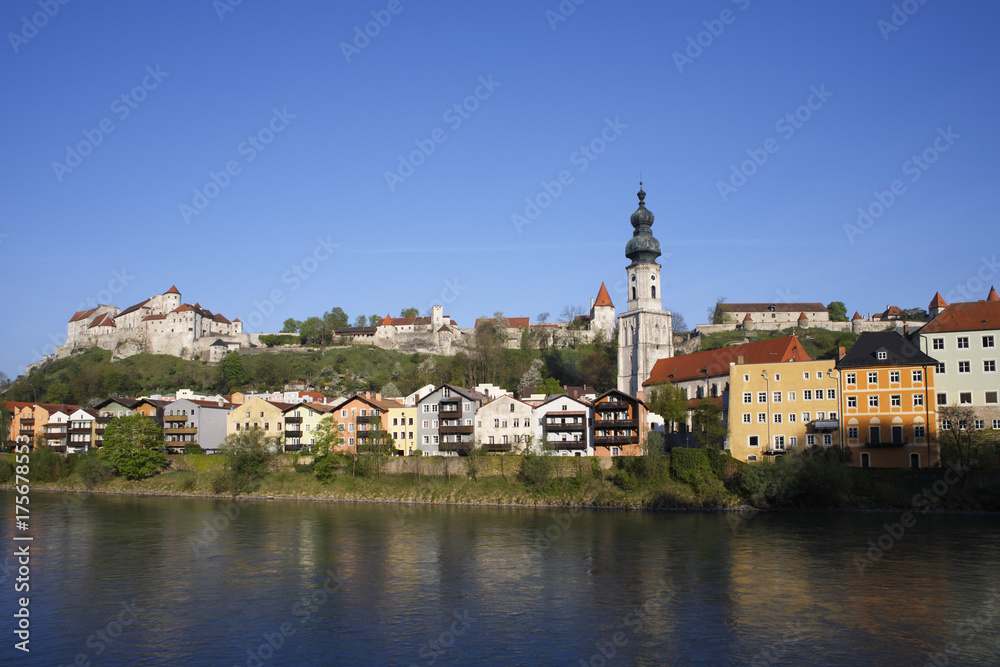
column 819, row 343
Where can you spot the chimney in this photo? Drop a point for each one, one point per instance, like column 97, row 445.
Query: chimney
column 841, row 351
column 906, row 329
column 591, row 303
column 739, row 359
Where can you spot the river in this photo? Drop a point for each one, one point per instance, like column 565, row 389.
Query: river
column 123, row 580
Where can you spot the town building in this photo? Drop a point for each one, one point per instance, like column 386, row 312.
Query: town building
column 196, row 422
column 645, row 332
column 782, row 406
column 620, row 424
column 301, row 422
column 268, row 416
column 565, row 424
column 887, row 389
column 504, row 425
column 402, row 426
column 446, row 420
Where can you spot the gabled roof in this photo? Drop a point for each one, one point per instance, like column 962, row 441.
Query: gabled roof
column 802, row 316
column 899, row 351
column 556, row 397
column 715, row 363
column 461, row 391
column 102, row 321
column 81, row 314
column 219, row 317
column 777, row 307
column 129, row 403
column 938, row 301
column 620, row 394
column 131, row 309
column 603, row 298
column 967, row 316
column 505, row 396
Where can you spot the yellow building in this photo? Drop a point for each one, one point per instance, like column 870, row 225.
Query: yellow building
column 888, row 386
column 258, row 413
column 301, row 421
column 403, row 427
column 782, row 406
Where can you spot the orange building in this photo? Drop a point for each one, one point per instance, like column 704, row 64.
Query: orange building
column 887, row 385
column 620, row 424
column 354, row 417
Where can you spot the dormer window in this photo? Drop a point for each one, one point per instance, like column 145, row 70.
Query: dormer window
column 881, row 355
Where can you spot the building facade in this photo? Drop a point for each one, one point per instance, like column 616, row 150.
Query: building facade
column 504, row 425
column 620, row 424
column 566, row 425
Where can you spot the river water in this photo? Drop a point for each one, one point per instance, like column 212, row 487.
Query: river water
column 123, row 580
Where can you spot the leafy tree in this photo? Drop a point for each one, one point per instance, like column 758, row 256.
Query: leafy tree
column 328, row 437
column 5, row 422
column 234, row 373
column 390, row 390
column 598, row 370
column 549, row 386
column 533, row 376
column 361, row 321
column 291, row 326
column 670, row 402
column 336, row 319
column 374, row 320
column 132, row 446
column 837, row 311
column 719, row 315
column 409, row 312
column 4, row 382
column 92, row 470
column 962, row 444
column 313, row 331
column 47, row 465
column 709, row 429
column 249, row 455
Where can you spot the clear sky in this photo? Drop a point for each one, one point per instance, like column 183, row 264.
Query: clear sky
column 415, row 149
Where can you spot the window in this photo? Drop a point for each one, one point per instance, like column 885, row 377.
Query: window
column 777, row 377
column 988, row 341
column 762, row 397
column 427, row 408
column 777, row 417
column 989, row 366
column 350, row 426
column 751, row 458
column 761, row 417
column 964, row 367
column 489, row 440
column 779, row 442
column 791, row 417
column 991, row 398
column 937, row 343
column 805, row 375
column 918, row 400
column 793, row 441
column 946, row 424
column 427, row 439
column 364, row 412
column 866, row 460
column 939, row 368
column 873, row 401
column 805, row 417
column 426, row 424
column 965, row 397
column 942, row 399
column 881, row 355
column 614, row 450
column 517, row 423
column 350, row 442
column 919, row 431
column 496, row 423
column 996, row 424
column 807, row 395
column 851, row 378
column 747, row 418
column 831, row 394
column 819, row 375
column 827, row 439
column 746, row 377
column 872, row 377
column 810, row 439
column 962, row 342
column 896, row 401
column 852, row 432
column 777, row 396
column 852, row 401
column 791, row 396
column 894, row 376
column 980, row 424
column 748, row 397
column 512, row 407
column 395, row 422
column 434, row 439
column 820, row 416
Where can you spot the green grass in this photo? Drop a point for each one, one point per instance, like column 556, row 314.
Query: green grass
column 818, row 343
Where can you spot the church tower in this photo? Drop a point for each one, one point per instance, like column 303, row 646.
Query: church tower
column 644, row 329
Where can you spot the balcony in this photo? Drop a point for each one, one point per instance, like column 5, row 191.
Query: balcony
column 175, row 418
column 615, row 423
column 825, row 424
column 79, row 430
column 293, row 420
column 104, row 419
column 451, row 413
column 179, row 431
column 616, row 440
column 498, row 446
column 609, row 406
column 568, row 444
column 293, row 432
column 456, row 446
column 887, row 443
column 27, row 420
column 457, row 430
column 558, row 428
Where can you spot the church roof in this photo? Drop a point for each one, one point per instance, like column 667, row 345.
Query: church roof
column 643, row 246
column 603, row 298
column 714, row 363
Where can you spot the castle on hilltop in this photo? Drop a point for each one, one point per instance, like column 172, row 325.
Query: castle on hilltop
column 161, row 324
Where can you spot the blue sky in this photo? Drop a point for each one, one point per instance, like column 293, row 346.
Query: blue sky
column 122, row 197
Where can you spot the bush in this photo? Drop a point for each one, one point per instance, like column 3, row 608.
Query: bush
column 369, row 465
column 625, row 480
column 537, row 470
column 690, row 466
column 249, row 457
column 48, row 465
column 6, row 470
column 325, row 468
column 92, row 471
column 193, row 448
column 188, row 483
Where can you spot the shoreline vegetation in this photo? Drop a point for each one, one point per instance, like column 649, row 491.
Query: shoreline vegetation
column 692, row 479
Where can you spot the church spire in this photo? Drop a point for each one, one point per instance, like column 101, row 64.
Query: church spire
column 643, row 246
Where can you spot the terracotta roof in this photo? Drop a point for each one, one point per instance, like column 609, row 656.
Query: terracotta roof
column 172, row 290
column 102, row 321
column 969, row 316
column 81, row 314
column 405, row 321
column 778, row 307
column 715, row 363
column 938, row 301
column 313, row 394
column 132, row 308
column 747, row 317
column 892, row 312
column 603, row 299
column 237, row 320
column 993, row 296
column 802, row 316
column 219, row 317
column 857, row 316
column 154, row 317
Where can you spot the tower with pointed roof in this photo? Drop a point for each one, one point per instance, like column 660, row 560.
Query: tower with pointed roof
column 602, row 314
column 645, row 332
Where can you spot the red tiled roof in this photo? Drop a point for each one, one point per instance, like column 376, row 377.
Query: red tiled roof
column 81, row 314
column 993, row 296
column 102, row 321
column 386, row 321
column 802, row 316
column 603, row 299
column 154, row 317
column 857, row 316
column 172, row 290
column 938, row 301
column 132, row 308
column 714, row 363
column 747, row 317
column 219, row 317
column 969, row 316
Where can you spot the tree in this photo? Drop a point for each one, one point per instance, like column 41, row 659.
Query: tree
column 374, row 320
column 670, row 402
column 336, row 319
column 361, row 321
column 678, row 324
column 328, row 437
column 390, row 390
column 598, row 371
column 234, row 373
column 718, row 314
column 542, row 317
column 837, row 311
column 131, row 446
column 409, row 312
column 914, row 314
column 312, row 331
column 549, row 386
column 249, row 454
column 570, row 313
column 291, row 326
column 962, row 444
column 708, row 426
column 533, row 376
